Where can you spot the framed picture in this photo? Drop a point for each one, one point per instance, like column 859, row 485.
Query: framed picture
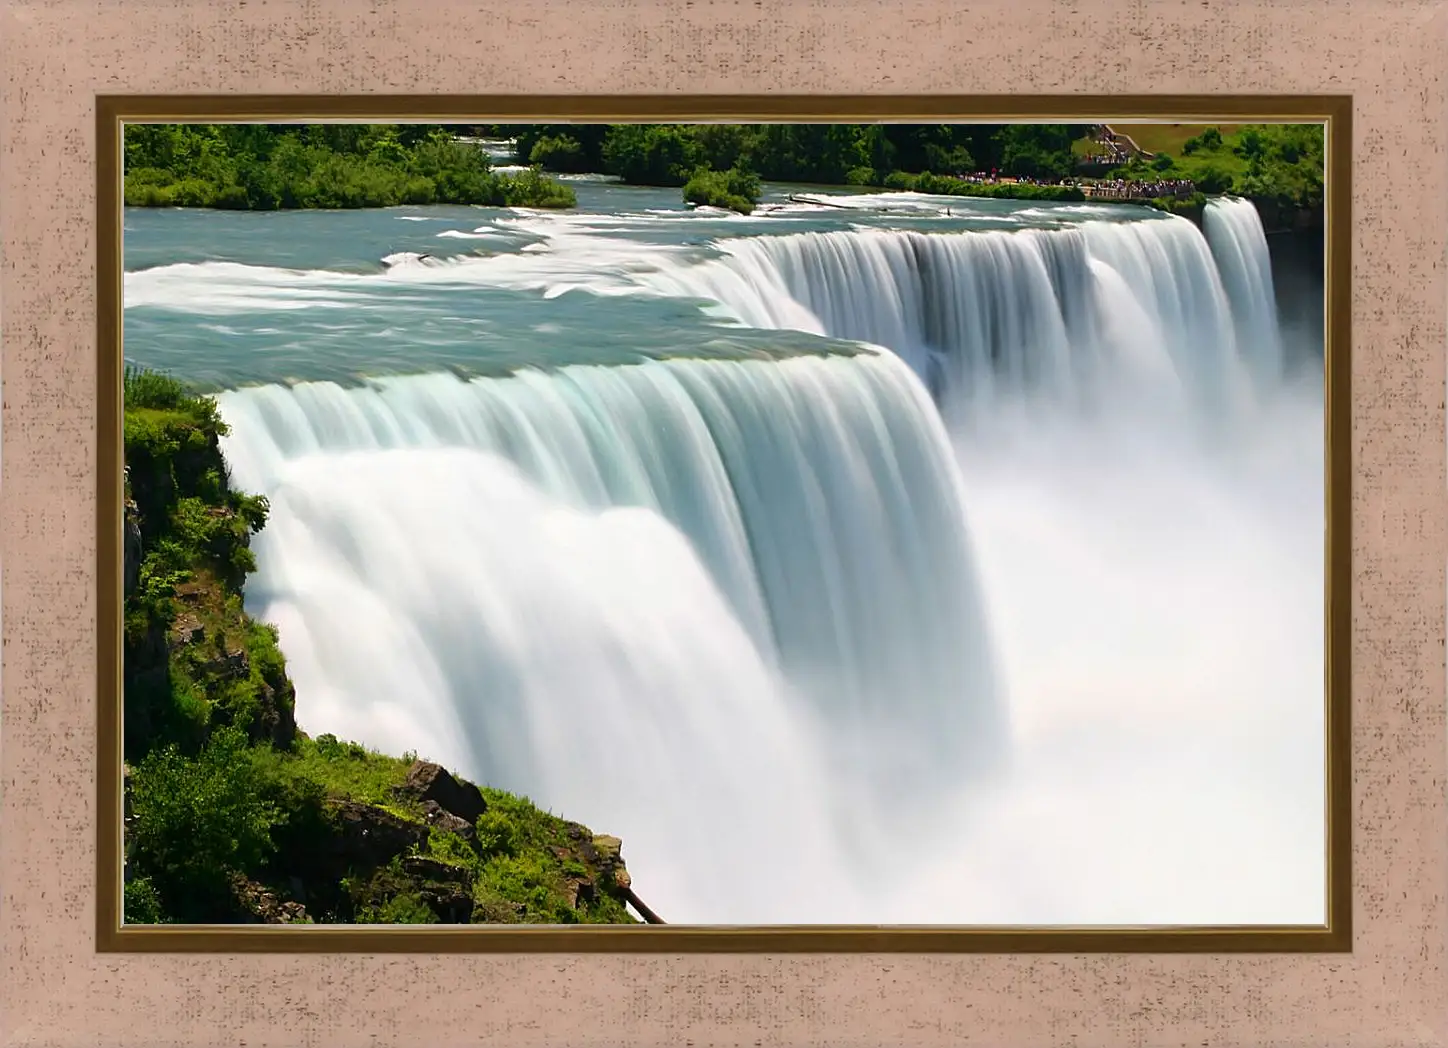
column 534, row 525
column 747, row 528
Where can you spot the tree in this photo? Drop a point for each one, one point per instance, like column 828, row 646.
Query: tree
column 734, row 189
column 1251, row 143
column 650, row 154
column 559, row 153
column 1037, row 150
column 724, row 146
column 1209, row 140
column 198, row 822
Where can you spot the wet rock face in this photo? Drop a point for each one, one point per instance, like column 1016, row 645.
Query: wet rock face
column 427, row 781
column 131, row 550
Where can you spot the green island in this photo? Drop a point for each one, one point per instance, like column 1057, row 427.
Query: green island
column 232, row 813
column 263, row 167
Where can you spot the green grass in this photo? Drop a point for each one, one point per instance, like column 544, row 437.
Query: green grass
column 340, row 769
column 1167, row 138
column 1087, row 147
column 520, row 861
column 1279, row 167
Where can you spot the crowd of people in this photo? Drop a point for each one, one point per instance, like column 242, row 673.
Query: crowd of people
column 1133, row 189
column 1103, row 188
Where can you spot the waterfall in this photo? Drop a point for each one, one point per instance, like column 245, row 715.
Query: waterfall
column 600, row 585
column 733, row 610
column 1234, row 230
column 1085, row 318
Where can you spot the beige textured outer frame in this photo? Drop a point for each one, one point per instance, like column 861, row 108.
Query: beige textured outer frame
column 56, row 55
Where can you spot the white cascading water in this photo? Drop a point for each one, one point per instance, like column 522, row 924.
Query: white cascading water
column 732, row 611
column 517, row 600
column 1068, row 316
column 1234, row 230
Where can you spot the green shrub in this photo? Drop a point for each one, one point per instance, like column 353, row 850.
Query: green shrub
column 141, row 903
column 198, row 822
column 531, row 189
column 407, row 908
column 1209, row 140
column 559, row 153
column 651, row 154
column 1213, row 180
column 733, row 189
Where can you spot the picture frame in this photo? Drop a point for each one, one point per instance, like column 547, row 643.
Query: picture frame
column 1388, row 990
column 1335, row 112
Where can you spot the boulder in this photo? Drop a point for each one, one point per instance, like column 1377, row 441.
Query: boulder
column 579, row 892
column 608, row 858
column 427, row 781
column 453, row 905
column 429, row 869
column 444, row 887
column 366, row 836
column 440, row 819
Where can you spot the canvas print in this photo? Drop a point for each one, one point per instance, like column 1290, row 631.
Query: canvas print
column 719, row 524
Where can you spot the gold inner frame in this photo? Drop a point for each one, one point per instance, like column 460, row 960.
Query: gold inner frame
column 1334, row 111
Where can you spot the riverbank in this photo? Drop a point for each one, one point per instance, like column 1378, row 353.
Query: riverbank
column 263, row 168
column 233, row 814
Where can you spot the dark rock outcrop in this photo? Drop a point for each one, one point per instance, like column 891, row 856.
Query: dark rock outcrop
column 261, row 905
column 427, row 781
column 131, row 550
column 439, row 818
column 446, row 889
column 366, row 836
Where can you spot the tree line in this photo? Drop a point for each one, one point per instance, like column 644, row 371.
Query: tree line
column 265, row 166
column 829, row 154
column 274, row 166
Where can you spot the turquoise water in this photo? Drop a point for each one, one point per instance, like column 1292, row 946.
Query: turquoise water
column 231, row 298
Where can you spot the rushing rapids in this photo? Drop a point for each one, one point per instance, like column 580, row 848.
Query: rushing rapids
column 778, row 618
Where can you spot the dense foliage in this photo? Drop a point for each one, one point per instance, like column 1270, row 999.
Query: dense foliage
column 270, row 166
column 733, row 189
column 232, row 814
column 1279, row 167
column 832, row 154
